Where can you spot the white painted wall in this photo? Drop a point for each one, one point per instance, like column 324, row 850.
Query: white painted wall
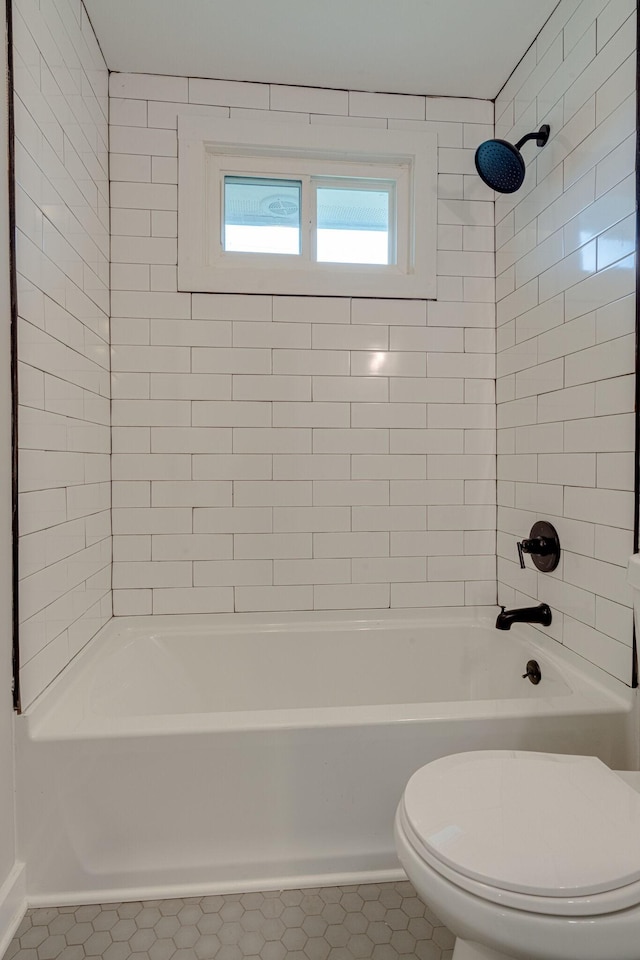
column 298, row 453
column 566, row 327
column 7, row 850
column 62, row 219
column 10, row 890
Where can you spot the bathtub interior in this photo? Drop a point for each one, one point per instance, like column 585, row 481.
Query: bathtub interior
column 184, row 665
column 157, row 674
column 210, row 670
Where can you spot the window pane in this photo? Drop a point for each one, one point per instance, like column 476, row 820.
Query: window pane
column 353, row 225
column 261, row 215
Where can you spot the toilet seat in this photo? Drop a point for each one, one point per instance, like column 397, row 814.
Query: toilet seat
column 543, row 833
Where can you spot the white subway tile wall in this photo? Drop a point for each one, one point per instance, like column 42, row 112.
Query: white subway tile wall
column 296, row 453
column 566, row 320
column 62, row 212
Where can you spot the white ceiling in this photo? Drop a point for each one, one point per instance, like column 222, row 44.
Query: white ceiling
column 438, row 47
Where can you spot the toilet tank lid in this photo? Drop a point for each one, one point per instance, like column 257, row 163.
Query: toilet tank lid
column 536, row 823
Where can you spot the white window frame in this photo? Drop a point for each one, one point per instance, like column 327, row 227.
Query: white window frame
column 212, row 148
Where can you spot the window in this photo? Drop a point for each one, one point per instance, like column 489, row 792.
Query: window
column 349, row 221
column 261, row 215
column 297, row 209
column 355, row 221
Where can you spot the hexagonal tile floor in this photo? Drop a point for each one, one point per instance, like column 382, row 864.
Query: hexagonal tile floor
column 378, row 921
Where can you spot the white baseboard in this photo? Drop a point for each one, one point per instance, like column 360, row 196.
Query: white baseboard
column 13, row 903
column 247, row 885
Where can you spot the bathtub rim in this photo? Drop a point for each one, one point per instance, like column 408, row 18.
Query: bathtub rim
column 592, row 690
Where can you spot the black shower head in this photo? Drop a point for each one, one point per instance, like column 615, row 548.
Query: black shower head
column 500, row 164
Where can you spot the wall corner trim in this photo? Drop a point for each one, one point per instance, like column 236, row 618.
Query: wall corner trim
column 13, row 903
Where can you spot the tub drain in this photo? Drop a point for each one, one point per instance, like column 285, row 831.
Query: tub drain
column 533, row 672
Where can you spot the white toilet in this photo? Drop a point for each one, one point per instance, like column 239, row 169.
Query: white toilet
column 526, row 856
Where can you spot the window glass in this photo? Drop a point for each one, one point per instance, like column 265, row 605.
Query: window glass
column 261, row 215
column 353, row 224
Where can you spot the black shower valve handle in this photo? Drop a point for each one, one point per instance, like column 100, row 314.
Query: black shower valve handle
column 534, row 545
column 539, row 546
column 542, row 545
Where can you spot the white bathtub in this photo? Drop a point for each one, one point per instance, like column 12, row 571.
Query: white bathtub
column 182, row 755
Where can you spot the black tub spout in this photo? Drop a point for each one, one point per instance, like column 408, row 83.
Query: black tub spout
column 540, row 614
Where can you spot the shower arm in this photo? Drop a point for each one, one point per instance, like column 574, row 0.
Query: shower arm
column 540, row 136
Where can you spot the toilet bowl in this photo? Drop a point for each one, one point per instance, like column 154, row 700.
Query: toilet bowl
column 526, row 856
